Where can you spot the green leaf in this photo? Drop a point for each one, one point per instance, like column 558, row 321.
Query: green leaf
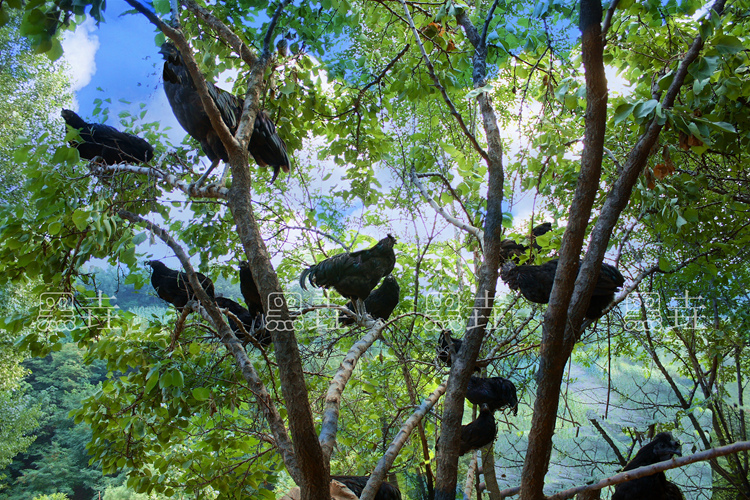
column 645, row 108
column 201, row 393
column 622, row 112
column 727, row 44
column 80, row 219
column 703, row 67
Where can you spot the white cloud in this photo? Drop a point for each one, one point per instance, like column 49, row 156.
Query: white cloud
column 80, row 49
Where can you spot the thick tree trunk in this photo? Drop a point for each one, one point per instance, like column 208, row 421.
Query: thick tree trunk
column 554, row 352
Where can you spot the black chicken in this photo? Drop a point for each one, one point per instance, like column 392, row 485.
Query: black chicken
column 108, row 143
column 267, row 148
column 479, row 433
column 655, row 486
column 249, row 290
column 535, row 283
column 353, row 275
column 252, row 323
column 497, row 393
column 444, row 352
column 173, row 286
column 509, row 249
column 357, row 483
column 380, row 303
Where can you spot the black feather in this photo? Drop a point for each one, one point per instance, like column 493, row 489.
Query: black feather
column 535, row 283
column 357, row 483
column 655, row 486
column 353, row 275
column 249, row 290
column 106, row 142
column 250, row 322
column 497, row 393
column 444, row 352
column 509, row 249
column 380, row 303
column 173, row 286
column 266, row 147
column 479, row 433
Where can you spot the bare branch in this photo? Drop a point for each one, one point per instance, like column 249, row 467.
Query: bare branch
column 384, row 464
column 608, row 18
column 224, row 31
column 271, row 28
column 210, row 191
column 476, row 232
column 654, row 468
column 329, row 427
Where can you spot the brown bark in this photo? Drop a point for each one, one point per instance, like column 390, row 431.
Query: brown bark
column 562, row 323
column 463, row 366
column 553, row 356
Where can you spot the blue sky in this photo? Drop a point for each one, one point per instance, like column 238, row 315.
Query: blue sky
column 118, row 60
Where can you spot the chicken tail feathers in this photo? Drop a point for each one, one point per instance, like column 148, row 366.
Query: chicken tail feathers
column 305, row 274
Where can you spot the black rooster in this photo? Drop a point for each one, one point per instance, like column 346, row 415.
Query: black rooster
column 353, row 275
column 357, row 483
column 444, row 351
column 509, row 249
column 249, row 290
column 479, row 433
column 267, row 148
column 497, row 393
column 535, row 283
column 252, row 323
column 655, row 486
column 173, row 286
column 106, row 142
column 380, row 303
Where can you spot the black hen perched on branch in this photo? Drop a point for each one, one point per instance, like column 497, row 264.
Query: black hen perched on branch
column 249, row 290
column 535, row 283
column 655, row 486
column 509, row 249
column 380, row 303
column 478, row 433
column 353, row 275
column 106, row 142
column 357, row 483
column 173, row 286
column 496, row 392
column 252, row 323
column 267, row 148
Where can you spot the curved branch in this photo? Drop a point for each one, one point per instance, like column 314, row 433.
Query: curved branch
column 384, row 464
column 475, row 231
column 224, row 32
column 264, row 399
column 210, row 191
column 271, row 28
column 199, row 80
column 444, row 92
column 330, row 424
column 654, row 468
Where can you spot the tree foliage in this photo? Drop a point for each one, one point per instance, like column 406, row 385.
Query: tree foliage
column 434, row 122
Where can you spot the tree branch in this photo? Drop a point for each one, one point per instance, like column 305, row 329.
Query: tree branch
column 329, row 427
column 210, row 191
column 264, row 399
column 224, row 31
column 385, row 463
column 476, row 232
column 446, row 97
column 654, row 468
